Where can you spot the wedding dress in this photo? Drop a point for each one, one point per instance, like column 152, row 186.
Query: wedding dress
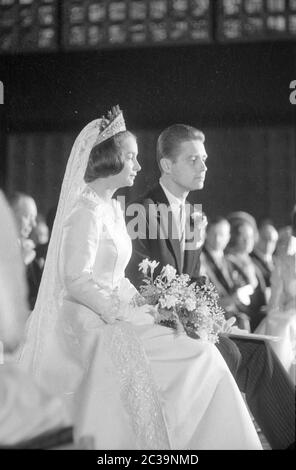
column 142, row 386
column 281, row 318
column 129, row 384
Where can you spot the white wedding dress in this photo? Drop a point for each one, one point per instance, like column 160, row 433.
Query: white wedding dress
column 133, row 384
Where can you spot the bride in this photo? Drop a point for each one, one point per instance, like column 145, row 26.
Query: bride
column 128, row 383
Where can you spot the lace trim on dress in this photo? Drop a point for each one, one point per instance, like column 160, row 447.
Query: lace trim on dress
column 137, row 388
column 89, row 194
column 110, row 211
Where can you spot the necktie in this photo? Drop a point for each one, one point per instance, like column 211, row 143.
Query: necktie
column 182, row 227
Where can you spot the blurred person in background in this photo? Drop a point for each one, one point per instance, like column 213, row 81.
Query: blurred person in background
column 40, row 233
column 262, row 255
column 241, row 244
column 221, row 272
column 284, row 239
column 41, row 248
column 40, row 236
column 25, row 212
column 26, row 409
column 281, row 318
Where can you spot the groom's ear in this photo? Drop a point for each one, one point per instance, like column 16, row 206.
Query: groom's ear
column 166, row 165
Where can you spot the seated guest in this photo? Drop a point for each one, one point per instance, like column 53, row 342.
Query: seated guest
column 241, row 244
column 40, row 236
column 284, row 239
column 26, row 410
column 41, row 249
column 281, row 317
column 40, row 233
column 262, row 255
column 25, row 212
column 221, row 272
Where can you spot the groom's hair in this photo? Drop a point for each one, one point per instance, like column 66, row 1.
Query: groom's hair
column 216, row 221
column 105, row 158
column 169, row 140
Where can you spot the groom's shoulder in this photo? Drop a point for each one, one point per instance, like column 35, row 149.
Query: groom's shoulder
column 140, row 205
column 149, row 196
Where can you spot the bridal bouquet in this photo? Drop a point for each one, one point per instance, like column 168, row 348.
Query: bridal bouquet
column 181, row 304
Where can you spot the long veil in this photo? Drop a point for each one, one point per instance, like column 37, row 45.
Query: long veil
column 59, row 369
column 40, row 346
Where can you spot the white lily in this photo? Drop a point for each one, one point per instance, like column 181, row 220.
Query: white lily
column 145, row 265
column 169, row 272
column 153, row 265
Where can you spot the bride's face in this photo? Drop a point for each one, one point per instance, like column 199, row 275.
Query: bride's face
column 131, row 167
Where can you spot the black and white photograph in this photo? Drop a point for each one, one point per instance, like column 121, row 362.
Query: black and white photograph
column 148, row 228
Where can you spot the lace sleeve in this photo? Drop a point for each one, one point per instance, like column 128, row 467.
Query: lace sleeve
column 80, row 240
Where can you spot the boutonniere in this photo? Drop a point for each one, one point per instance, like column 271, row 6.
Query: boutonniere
column 200, row 220
column 196, row 234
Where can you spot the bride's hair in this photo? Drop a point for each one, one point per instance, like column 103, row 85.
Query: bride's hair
column 105, row 158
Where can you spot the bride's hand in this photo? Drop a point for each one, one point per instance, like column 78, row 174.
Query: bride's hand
column 143, row 315
column 148, row 309
column 110, row 315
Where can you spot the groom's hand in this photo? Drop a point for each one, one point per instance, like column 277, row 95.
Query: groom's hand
column 227, row 325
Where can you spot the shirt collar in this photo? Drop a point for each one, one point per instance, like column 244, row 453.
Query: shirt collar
column 173, row 200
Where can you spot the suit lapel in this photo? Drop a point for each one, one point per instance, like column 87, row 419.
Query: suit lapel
column 265, row 266
column 166, row 224
column 222, row 277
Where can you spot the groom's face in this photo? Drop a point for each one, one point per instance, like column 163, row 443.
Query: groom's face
column 188, row 170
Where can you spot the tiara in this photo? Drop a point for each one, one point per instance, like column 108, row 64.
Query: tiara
column 111, row 125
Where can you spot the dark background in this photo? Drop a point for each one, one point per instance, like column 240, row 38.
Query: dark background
column 237, row 93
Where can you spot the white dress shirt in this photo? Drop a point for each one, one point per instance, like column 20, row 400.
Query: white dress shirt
column 177, row 206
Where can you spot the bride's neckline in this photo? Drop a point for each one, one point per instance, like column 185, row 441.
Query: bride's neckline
column 110, row 208
column 91, row 194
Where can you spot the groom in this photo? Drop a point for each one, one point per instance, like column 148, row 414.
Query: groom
column 170, row 231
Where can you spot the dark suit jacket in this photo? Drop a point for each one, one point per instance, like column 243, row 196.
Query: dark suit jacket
column 265, row 268
column 155, row 239
column 223, row 281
